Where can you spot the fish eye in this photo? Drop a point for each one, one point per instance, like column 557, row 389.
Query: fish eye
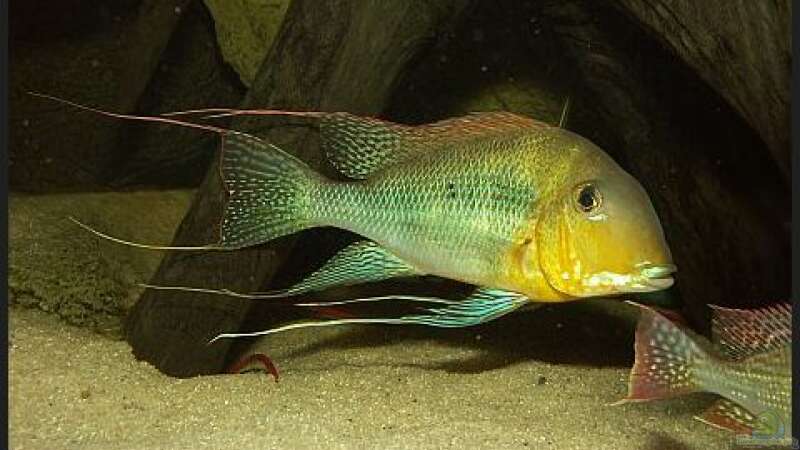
column 588, row 198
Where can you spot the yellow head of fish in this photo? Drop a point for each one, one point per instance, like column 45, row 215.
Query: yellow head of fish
column 597, row 232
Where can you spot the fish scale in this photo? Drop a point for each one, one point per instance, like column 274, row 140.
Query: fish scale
column 490, row 199
column 442, row 203
column 753, row 382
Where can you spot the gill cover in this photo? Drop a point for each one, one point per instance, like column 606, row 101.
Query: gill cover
column 601, row 236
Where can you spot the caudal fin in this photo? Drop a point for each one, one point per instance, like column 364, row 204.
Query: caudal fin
column 665, row 357
column 269, row 191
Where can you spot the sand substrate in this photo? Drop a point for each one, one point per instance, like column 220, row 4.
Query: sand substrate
column 538, row 379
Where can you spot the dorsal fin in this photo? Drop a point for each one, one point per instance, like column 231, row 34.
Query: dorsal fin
column 360, row 146
column 742, row 333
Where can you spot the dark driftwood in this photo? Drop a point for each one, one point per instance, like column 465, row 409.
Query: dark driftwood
column 191, row 74
column 742, row 48
column 342, row 55
column 713, row 182
column 155, row 22
column 107, row 62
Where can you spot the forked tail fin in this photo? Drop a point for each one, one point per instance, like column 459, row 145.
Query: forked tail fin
column 665, row 357
column 269, row 191
column 269, row 194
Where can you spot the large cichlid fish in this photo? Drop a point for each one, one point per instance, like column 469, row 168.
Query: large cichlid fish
column 525, row 211
column 748, row 363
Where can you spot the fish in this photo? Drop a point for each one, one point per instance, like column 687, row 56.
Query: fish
column 525, row 211
column 748, row 363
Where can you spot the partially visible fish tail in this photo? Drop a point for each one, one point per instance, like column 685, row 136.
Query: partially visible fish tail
column 269, row 192
column 665, row 358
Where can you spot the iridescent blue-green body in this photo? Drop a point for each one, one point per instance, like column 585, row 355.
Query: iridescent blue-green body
column 525, row 211
column 490, row 199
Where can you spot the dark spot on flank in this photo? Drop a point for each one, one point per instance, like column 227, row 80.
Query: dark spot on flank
column 451, row 190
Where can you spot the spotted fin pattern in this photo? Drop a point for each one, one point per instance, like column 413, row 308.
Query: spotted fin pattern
column 742, row 333
column 360, row 146
column 268, row 191
column 728, row 415
column 664, row 357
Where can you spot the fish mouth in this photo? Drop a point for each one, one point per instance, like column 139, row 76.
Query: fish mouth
column 647, row 277
column 657, row 276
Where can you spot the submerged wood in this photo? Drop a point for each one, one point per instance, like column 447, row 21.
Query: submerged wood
column 103, row 54
column 741, row 48
column 716, row 188
column 319, row 61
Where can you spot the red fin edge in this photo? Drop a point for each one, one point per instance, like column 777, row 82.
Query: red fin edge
column 728, row 415
column 663, row 357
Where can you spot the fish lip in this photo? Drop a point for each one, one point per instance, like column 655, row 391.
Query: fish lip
column 659, row 283
column 636, row 281
column 657, row 271
column 658, row 276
